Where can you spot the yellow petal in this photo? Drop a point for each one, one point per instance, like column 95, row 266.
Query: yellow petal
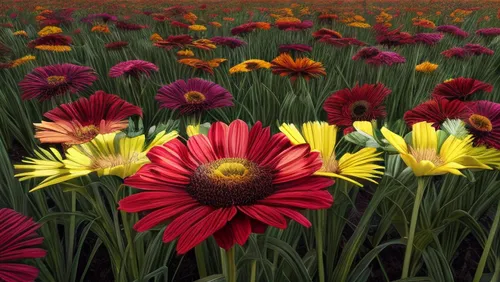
column 395, row 140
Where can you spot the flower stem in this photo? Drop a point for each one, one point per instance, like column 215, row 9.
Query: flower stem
column 487, row 247
column 200, row 260
column 130, row 241
column 71, row 236
column 318, row 228
column 253, row 273
column 230, row 265
column 413, row 224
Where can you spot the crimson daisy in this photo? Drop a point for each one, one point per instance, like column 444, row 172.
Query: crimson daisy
column 484, row 123
column 361, row 103
column 437, row 111
column 55, row 80
column 80, row 121
column 451, row 29
column 133, row 68
column 287, row 48
column 460, row 88
column 234, row 182
column 18, row 241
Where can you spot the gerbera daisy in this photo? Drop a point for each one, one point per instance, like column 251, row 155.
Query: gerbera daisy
column 18, row 241
column 20, row 33
column 322, row 137
column 46, row 82
column 437, row 111
column 116, row 45
column 424, row 23
column 22, row 61
column 451, row 29
column 285, row 65
column 456, row 52
column 204, row 44
column 326, row 32
column 244, row 28
column 185, row 53
column 341, row 42
column 426, row 67
column 231, row 42
column 234, row 182
column 51, row 40
column 365, row 53
column 100, row 28
column 460, row 88
column 197, row 64
column 106, row 154
column 292, row 26
column 129, row 26
column 287, row 48
column 489, row 31
column 197, row 27
column 174, row 41
column 428, row 38
column 99, row 17
column 478, row 49
column 484, row 123
column 250, row 65
column 179, row 24
column 392, row 38
column 386, row 58
column 48, row 30
column 193, row 96
column 215, row 24
column 79, row 122
column 359, row 25
column 133, row 68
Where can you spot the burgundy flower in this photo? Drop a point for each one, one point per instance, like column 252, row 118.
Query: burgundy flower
column 193, row 96
column 231, row 42
column 287, row 48
column 116, row 45
column 133, row 68
column 455, row 52
column 361, row 103
column 428, row 38
column 477, row 49
column 326, row 32
column 437, row 111
column 55, row 80
column 484, row 123
column 393, row 37
column 291, row 26
column 129, row 26
column 365, row 53
column 341, row 42
column 179, row 24
column 460, row 88
column 174, row 11
column 451, row 29
column 51, row 39
column 386, row 58
column 18, row 241
column 244, row 28
column 105, row 17
column 490, row 31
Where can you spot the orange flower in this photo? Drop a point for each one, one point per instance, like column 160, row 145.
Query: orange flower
column 190, row 17
column 215, row 24
column 155, row 37
column 207, row 66
column 102, row 28
column 284, row 65
column 185, row 53
column 204, row 44
column 228, row 19
column 424, row 23
column 263, row 25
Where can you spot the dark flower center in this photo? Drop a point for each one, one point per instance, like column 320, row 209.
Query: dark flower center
column 252, row 66
column 56, row 80
column 86, row 133
column 230, row 182
column 480, row 123
column 359, row 108
column 194, row 97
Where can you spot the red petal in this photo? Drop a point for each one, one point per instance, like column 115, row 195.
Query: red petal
column 182, row 223
column 161, row 215
column 218, row 135
column 304, row 200
column 295, row 215
column 153, row 200
column 237, row 139
column 265, row 214
column 200, row 149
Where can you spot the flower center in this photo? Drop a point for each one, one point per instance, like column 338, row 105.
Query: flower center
column 426, row 155
column 359, row 108
column 110, row 161
column 56, row 80
column 252, row 66
column 230, row 182
column 330, row 165
column 480, row 123
column 194, row 97
column 86, row 133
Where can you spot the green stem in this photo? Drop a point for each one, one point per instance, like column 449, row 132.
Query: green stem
column 253, row 273
column 318, row 228
column 487, row 247
column 130, row 242
column 71, row 238
column 413, row 225
column 230, row 265
column 200, row 260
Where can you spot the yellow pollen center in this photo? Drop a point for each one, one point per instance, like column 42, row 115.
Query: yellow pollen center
column 56, row 79
column 480, row 123
column 252, row 66
column 231, row 170
column 426, row 155
column 330, row 165
column 194, row 97
column 112, row 161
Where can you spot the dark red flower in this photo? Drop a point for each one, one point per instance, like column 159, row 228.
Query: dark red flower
column 291, row 26
column 129, row 26
column 231, row 42
column 460, row 88
column 287, row 48
column 341, row 42
column 391, row 38
column 117, row 45
column 326, row 32
column 366, row 53
column 361, row 103
column 244, row 28
column 386, row 58
column 437, row 111
column 428, row 38
column 455, row 52
column 229, row 183
column 52, row 39
column 484, row 123
column 179, row 24
column 451, row 29
column 134, row 68
column 477, row 49
column 104, row 17
column 18, row 241
column 490, row 31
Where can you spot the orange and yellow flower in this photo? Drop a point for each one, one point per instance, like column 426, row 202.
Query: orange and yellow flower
column 250, row 65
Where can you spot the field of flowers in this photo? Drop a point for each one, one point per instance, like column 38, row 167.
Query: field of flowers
column 271, row 141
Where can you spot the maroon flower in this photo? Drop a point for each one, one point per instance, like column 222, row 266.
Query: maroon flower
column 105, row 17
column 291, row 26
column 179, row 24
column 477, row 49
column 428, row 38
column 231, row 42
column 386, row 58
column 174, row 41
column 326, row 32
column 490, row 31
column 437, row 111
column 116, row 45
column 129, row 26
column 287, row 48
column 366, row 53
column 244, row 28
column 361, row 103
column 55, row 80
column 18, row 241
column 455, row 52
column 133, row 68
column 52, row 39
column 193, row 96
column 484, row 123
column 341, row 42
column 451, row 29
column 394, row 37
column 460, row 88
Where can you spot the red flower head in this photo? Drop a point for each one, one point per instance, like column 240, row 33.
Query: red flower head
column 231, row 42
column 55, row 80
column 179, row 24
column 428, row 38
column 116, row 45
column 287, row 48
column 394, row 37
column 291, row 25
column 234, row 182
column 174, row 41
column 451, row 29
column 79, row 122
column 244, row 28
column 133, row 68
column 460, row 88
column 361, row 103
column 18, row 241
column 365, row 53
column 477, row 49
column 285, row 65
column 455, row 52
column 129, row 26
column 326, row 32
column 52, row 39
column 437, row 111
column 484, row 123
column 386, row 58
column 341, row 42
column 490, row 31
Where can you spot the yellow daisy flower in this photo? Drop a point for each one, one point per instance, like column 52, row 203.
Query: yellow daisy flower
column 426, row 67
column 250, row 65
column 48, row 30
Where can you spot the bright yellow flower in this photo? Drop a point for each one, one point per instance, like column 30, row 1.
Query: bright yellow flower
column 107, row 154
column 322, row 137
column 185, row 53
column 155, row 37
column 426, row 67
column 54, row 48
column 21, row 33
column 48, row 30
column 22, row 61
column 250, row 65
column 359, row 18
column 426, row 155
column 359, row 24
column 197, row 27
column 287, row 20
column 192, row 130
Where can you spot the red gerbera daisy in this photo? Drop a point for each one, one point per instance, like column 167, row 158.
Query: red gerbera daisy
column 229, row 184
column 456, row 52
column 460, row 88
column 18, row 241
column 79, row 122
column 116, row 45
column 326, row 32
column 133, row 68
column 129, row 26
column 361, row 103
column 484, row 123
column 437, row 111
